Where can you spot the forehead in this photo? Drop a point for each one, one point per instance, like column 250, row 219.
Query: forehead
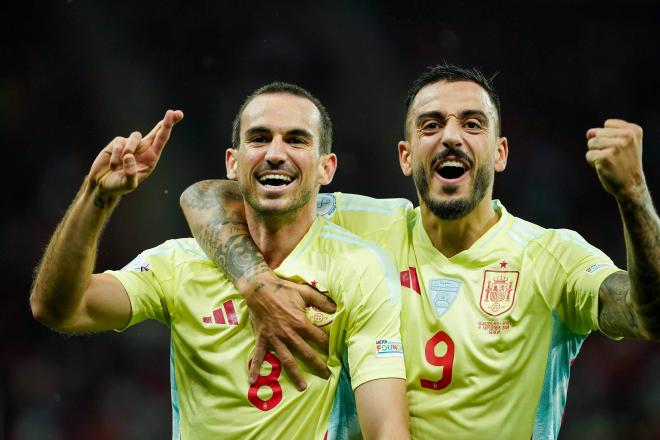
column 281, row 112
column 452, row 97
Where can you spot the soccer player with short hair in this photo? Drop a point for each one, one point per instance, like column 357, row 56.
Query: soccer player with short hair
column 280, row 157
column 494, row 308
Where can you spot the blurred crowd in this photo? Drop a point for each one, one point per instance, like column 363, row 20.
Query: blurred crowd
column 76, row 74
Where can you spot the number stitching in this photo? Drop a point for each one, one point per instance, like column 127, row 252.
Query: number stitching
column 445, row 361
column 268, row 381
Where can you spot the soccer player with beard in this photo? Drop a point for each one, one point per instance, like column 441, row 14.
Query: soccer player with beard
column 280, row 157
column 495, row 308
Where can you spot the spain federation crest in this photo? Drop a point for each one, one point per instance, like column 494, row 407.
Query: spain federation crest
column 498, row 291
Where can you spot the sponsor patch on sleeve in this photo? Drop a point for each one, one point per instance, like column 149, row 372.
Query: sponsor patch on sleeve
column 389, row 348
column 596, row 267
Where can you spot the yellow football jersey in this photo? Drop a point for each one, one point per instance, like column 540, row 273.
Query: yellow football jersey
column 491, row 333
column 212, row 340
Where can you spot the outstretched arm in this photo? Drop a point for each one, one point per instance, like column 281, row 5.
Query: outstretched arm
column 629, row 303
column 215, row 212
column 66, row 295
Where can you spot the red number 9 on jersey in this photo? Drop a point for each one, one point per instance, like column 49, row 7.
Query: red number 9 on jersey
column 445, row 361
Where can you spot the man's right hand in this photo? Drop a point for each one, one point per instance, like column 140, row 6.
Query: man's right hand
column 277, row 308
column 126, row 162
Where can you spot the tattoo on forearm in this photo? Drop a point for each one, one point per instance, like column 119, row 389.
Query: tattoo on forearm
column 242, row 258
column 224, row 236
column 616, row 317
column 100, row 201
column 642, row 232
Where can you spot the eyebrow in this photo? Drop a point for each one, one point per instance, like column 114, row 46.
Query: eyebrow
column 293, row 132
column 434, row 114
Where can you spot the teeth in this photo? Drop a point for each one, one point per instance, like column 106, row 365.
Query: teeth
column 452, row 163
column 274, row 176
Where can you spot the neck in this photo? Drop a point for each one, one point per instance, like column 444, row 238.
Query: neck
column 276, row 235
column 453, row 236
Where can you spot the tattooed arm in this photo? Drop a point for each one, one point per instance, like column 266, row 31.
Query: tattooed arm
column 215, row 211
column 629, row 302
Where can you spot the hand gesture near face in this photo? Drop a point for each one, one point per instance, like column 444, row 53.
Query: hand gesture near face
column 126, row 162
column 615, row 151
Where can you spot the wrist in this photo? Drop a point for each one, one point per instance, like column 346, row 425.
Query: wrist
column 635, row 195
column 253, row 279
column 101, row 199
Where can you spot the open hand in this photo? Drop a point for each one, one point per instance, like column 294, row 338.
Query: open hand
column 126, row 162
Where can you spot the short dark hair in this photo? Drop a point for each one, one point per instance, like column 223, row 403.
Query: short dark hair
column 453, row 73
column 325, row 141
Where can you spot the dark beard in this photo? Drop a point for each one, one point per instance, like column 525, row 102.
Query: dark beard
column 453, row 209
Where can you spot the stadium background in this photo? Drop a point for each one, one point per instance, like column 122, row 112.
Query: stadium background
column 75, row 74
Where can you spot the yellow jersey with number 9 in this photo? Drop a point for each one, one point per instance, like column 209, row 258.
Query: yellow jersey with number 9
column 490, row 333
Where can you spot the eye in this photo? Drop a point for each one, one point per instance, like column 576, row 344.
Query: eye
column 473, row 125
column 298, row 141
column 430, row 126
column 258, row 139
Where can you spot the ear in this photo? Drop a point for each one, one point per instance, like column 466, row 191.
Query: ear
column 502, row 154
column 327, row 168
column 405, row 158
column 231, row 163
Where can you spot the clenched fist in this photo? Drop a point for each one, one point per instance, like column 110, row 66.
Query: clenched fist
column 125, row 162
column 615, row 151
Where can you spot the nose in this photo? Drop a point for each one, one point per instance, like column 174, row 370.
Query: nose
column 451, row 133
column 276, row 152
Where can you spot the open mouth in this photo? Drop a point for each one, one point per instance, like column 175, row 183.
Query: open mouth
column 275, row 180
column 452, row 169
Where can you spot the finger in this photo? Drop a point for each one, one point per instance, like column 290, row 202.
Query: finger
column 132, row 143
column 316, row 335
column 313, row 297
column 290, row 366
column 601, row 143
column 171, row 118
column 615, row 123
column 608, row 132
column 130, row 171
column 594, row 156
column 117, row 149
column 310, row 357
column 161, row 131
column 257, row 360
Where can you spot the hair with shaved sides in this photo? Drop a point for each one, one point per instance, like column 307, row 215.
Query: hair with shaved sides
column 325, row 129
column 452, row 73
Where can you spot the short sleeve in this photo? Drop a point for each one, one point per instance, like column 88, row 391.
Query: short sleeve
column 148, row 281
column 373, row 334
column 585, row 268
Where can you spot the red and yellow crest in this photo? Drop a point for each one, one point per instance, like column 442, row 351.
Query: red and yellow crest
column 498, row 291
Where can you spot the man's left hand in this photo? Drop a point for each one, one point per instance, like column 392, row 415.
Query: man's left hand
column 615, row 151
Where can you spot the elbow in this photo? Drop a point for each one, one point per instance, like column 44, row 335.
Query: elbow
column 46, row 314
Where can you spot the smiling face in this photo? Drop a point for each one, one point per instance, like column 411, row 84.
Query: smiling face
column 277, row 165
column 453, row 148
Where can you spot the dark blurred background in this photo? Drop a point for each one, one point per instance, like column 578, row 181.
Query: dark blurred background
column 77, row 73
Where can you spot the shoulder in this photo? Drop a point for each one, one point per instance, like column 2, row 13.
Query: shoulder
column 354, row 254
column 328, row 204
column 172, row 252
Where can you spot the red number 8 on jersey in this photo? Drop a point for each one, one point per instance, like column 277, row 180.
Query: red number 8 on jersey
column 268, row 381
